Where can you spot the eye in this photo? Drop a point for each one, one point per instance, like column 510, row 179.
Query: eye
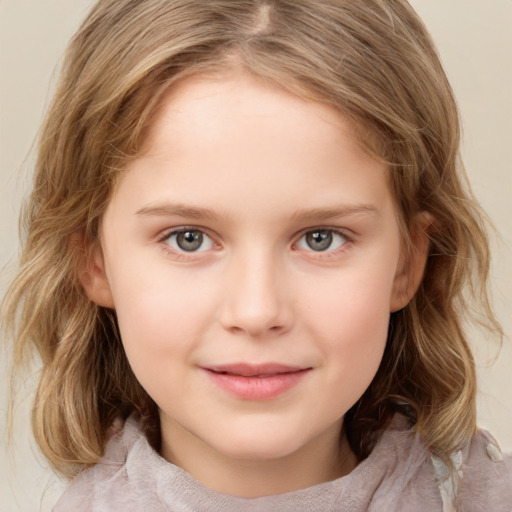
column 189, row 240
column 322, row 240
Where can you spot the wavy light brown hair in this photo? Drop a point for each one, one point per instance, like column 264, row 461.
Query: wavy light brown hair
column 371, row 60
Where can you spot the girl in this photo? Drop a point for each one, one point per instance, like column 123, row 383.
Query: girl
column 249, row 248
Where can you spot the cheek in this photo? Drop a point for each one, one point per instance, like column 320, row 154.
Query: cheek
column 161, row 320
column 356, row 302
column 353, row 320
column 153, row 301
column 160, row 324
column 358, row 338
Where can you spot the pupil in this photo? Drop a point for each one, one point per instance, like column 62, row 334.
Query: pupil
column 189, row 240
column 319, row 240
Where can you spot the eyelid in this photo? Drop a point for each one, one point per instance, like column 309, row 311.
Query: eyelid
column 335, row 230
column 168, row 233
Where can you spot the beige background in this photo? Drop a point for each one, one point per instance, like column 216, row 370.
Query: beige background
column 475, row 42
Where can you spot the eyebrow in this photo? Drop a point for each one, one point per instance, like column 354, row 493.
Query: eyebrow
column 178, row 210
column 342, row 210
column 303, row 215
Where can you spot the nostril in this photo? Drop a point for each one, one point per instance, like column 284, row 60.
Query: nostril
column 254, row 306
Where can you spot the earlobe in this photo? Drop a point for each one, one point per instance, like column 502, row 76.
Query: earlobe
column 92, row 274
column 412, row 265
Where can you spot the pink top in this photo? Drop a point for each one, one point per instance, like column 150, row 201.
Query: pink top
column 398, row 476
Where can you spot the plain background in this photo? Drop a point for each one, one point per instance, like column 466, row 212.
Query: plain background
column 475, row 43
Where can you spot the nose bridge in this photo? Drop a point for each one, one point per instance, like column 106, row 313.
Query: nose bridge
column 256, row 293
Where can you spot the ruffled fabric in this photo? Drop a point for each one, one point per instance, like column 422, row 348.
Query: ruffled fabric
column 398, row 476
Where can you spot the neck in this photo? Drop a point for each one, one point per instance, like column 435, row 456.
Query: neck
column 324, row 459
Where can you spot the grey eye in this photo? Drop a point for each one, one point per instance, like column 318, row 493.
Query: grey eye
column 190, row 240
column 320, row 240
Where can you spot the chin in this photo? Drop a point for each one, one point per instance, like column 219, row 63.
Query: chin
column 263, row 444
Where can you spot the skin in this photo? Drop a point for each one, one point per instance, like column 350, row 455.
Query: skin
column 255, row 170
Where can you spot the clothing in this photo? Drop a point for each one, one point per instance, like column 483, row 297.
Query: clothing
column 398, row 476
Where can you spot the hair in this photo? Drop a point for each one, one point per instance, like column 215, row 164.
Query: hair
column 376, row 64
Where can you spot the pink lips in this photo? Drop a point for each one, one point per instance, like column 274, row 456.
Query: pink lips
column 256, row 382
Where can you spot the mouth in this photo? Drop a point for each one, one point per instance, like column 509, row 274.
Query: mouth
column 258, row 370
column 256, row 382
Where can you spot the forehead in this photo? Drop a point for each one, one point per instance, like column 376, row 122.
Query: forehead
column 232, row 138
column 201, row 102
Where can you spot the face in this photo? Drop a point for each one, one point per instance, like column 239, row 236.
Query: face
column 252, row 255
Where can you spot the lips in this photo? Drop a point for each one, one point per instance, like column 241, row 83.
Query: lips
column 256, row 382
column 258, row 370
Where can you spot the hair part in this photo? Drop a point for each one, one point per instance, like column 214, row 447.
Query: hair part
column 372, row 61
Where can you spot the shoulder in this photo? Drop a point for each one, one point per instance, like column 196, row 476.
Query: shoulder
column 481, row 482
column 109, row 485
column 485, row 476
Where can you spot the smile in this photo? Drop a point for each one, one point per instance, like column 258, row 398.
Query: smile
column 256, row 382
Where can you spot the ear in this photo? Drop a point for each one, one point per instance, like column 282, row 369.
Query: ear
column 412, row 265
column 91, row 272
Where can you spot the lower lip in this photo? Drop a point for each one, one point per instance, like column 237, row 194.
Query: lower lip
column 257, row 388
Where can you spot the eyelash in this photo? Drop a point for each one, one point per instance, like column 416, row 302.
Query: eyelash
column 183, row 254
column 328, row 253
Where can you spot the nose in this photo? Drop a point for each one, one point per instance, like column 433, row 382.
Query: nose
column 257, row 297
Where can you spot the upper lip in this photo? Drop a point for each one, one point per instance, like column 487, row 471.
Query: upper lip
column 255, row 370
